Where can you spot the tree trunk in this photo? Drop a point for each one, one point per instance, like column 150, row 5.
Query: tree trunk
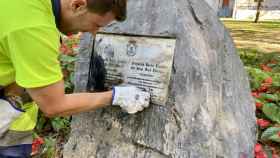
column 258, row 11
column 209, row 112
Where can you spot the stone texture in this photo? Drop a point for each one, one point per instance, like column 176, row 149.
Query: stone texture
column 209, row 113
column 214, row 4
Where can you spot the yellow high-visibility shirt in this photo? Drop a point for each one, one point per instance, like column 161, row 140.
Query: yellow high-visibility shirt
column 29, row 43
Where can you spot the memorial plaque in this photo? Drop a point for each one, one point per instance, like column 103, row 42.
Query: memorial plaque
column 145, row 62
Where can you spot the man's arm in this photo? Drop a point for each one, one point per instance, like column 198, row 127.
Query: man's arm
column 54, row 102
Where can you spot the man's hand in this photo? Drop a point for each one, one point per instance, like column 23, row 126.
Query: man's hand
column 130, row 98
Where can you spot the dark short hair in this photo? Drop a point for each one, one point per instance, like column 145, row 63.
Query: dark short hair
column 118, row 7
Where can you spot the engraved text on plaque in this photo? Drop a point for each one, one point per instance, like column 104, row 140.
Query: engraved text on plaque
column 145, row 62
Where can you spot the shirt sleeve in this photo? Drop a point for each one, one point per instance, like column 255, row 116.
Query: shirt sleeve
column 34, row 55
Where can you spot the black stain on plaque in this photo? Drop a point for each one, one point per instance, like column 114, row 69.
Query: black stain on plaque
column 97, row 74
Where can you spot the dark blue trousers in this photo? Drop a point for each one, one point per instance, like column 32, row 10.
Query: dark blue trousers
column 19, row 151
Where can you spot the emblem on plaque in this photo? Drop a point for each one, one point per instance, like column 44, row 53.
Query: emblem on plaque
column 131, row 48
column 109, row 51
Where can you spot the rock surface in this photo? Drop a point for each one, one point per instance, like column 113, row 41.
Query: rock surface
column 214, row 4
column 209, row 113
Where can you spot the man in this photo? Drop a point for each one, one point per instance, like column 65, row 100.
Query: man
column 29, row 44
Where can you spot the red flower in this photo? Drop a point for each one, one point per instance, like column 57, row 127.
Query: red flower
column 259, row 105
column 259, row 152
column 263, row 123
column 38, row 140
column 265, row 68
column 69, row 35
column 36, row 144
column 260, row 155
column 266, row 84
column 258, row 148
column 256, row 94
column 75, row 46
column 64, row 49
column 268, row 80
column 264, row 88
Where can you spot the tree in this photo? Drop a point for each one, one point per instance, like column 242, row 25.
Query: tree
column 209, row 113
column 259, row 5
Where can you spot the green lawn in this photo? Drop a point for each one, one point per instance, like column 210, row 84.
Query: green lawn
column 263, row 36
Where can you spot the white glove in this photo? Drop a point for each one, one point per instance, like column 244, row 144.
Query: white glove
column 131, row 99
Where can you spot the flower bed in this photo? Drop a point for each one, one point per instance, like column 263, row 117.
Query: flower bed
column 264, row 72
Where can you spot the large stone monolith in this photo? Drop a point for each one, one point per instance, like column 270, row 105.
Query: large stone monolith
column 214, row 4
column 209, row 112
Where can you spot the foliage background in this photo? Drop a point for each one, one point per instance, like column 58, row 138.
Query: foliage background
column 259, row 47
column 50, row 134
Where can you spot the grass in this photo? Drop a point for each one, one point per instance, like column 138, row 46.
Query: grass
column 263, row 36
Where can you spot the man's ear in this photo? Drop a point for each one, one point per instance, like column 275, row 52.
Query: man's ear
column 79, row 6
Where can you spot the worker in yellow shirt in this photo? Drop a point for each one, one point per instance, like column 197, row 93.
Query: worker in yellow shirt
column 29, row 44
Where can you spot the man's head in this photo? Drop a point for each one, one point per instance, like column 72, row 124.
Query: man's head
column 90, row 15
column 118, row 7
